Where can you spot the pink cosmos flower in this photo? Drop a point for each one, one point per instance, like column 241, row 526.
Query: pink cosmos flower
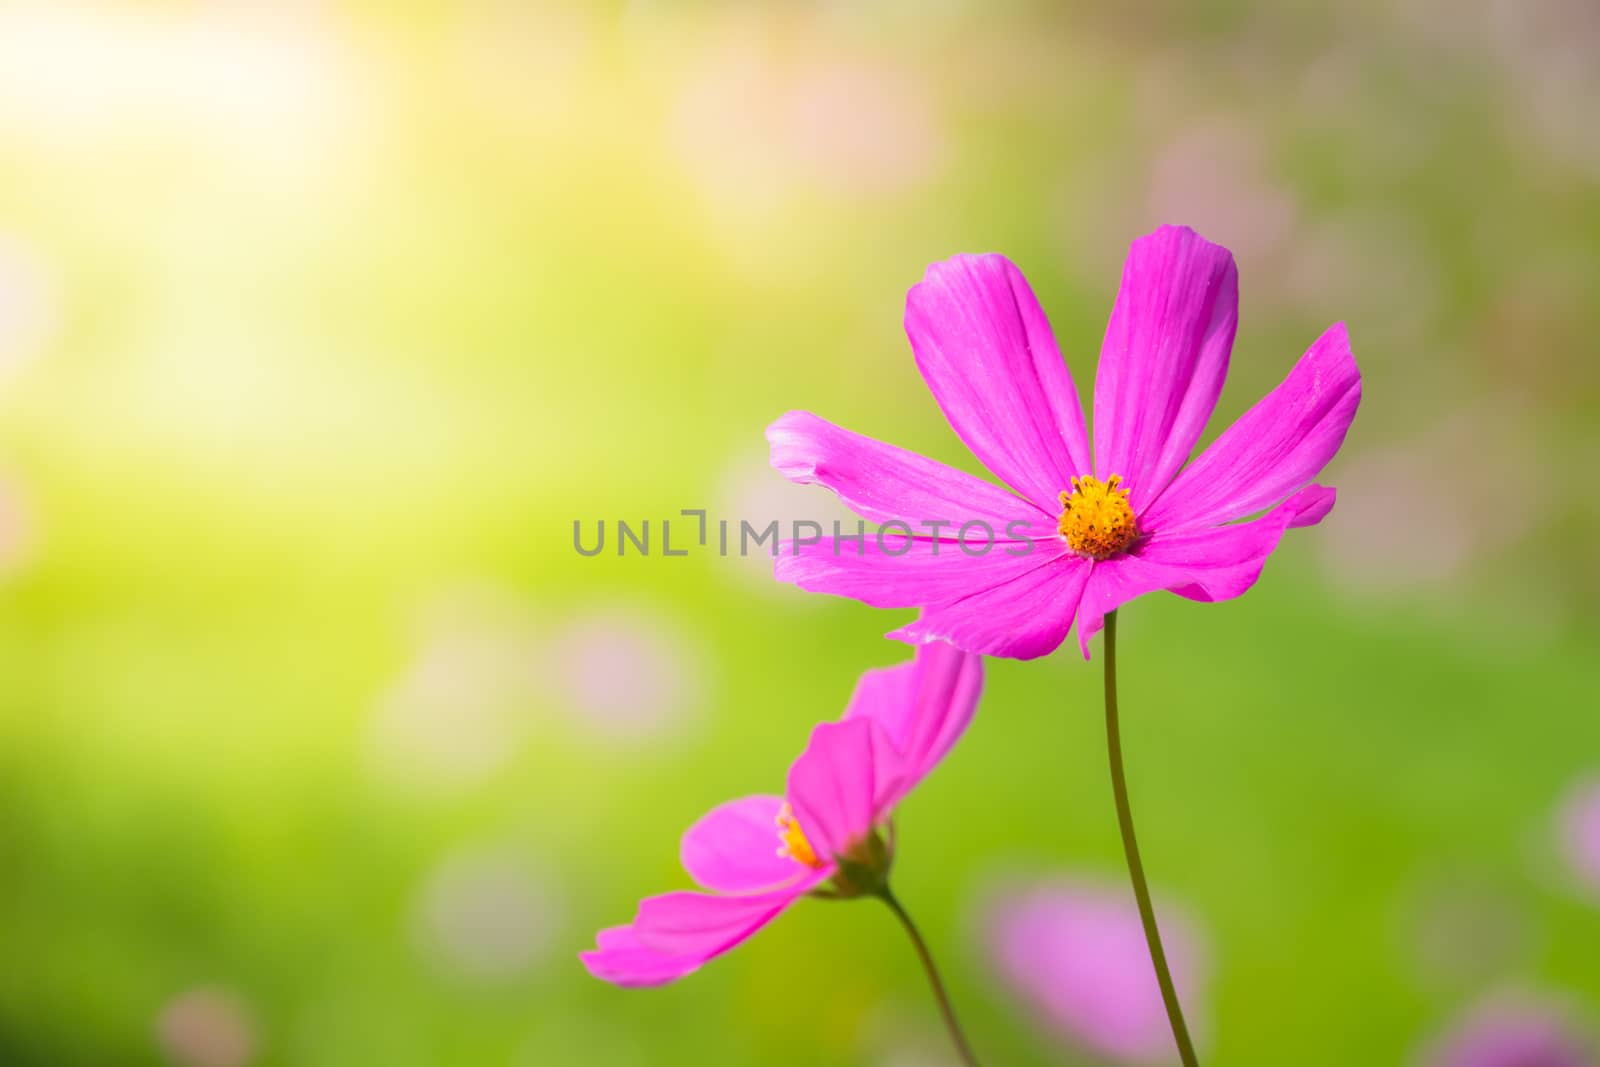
column 1006, row 574
column 757, row 855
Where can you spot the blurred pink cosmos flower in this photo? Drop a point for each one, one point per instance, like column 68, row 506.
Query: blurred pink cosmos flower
column 1580, row 832
column 207, row 1027
column 759, row 854
column 486, row 915
column 1215, row 172
column 1505, row 1032
column 1076, row 954
column 625, row 673
column 1077, row 539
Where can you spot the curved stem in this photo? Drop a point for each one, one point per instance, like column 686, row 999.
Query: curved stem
column 1130, row 848
column 939, row 993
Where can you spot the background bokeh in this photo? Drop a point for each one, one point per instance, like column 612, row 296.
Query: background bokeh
column 320, row 324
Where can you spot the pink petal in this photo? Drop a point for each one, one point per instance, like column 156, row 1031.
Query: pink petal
column 1311, row 505
column 923, row 708
column 733, row 848
column 1215, row 564
column 622, row 959
column 986, row 350
column 883, row 483
column 998, row 604
column 1275, row 448
column 1025, row 617
column 703, row 925
column 888, row 697
column 832, row 786
column 1164, row 358
column 910, row 573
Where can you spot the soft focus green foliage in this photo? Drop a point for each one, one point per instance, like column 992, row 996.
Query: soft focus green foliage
column 320, row 746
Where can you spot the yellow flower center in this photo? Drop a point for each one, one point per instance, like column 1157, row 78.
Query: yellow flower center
column 794, row 844
column 1096, row 519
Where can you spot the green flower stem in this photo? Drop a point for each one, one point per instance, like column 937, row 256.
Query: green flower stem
column 1130, row 848
column 939, row 992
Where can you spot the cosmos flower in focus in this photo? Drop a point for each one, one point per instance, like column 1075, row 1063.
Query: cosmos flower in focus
column 1506, row 1032
column 1075, row 953
column 758, row 855
column 1077, row 539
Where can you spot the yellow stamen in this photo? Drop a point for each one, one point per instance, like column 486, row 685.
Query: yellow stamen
column 794, row 846
column 1096, row 519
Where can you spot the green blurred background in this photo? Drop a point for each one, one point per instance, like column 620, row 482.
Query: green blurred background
column 321, row 323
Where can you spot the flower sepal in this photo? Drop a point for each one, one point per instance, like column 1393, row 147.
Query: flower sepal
column 863, row 871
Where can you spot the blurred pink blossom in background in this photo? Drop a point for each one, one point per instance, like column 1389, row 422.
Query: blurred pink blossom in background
column 1513, row 1032
column 466, row 701
column 1210, row 171
column 624, row 674
column 485, row 915
column 761, row 121
column 862, row 129
column 1075, row 952
column 29, row 305
column 1580, row 833
column 748, row 125
column 1370, row 260
column 1214, row 175
column 1547, row 52
column 29, row 311
column 207, row 1027
column 1412, row 518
